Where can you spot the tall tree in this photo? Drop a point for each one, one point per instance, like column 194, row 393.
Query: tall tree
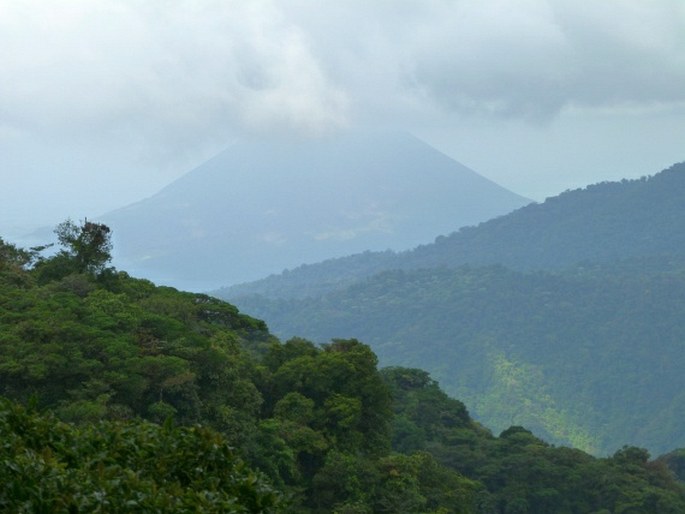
column 89, row 244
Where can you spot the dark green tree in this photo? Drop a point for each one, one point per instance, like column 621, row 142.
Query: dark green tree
column 88, row 244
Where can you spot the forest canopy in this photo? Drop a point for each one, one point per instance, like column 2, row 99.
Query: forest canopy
column 124, row 395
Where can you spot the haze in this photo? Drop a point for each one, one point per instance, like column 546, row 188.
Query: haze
column 104, row 103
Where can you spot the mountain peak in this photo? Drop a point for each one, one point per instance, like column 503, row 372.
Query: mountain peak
column 261, row 206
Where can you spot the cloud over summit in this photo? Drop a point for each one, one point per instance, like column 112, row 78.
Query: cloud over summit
column 211, row 66
column 131, row 94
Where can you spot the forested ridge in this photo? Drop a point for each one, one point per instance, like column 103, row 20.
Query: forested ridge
column 564, row 316
column 590, row 357
column 599, row 224
column 122, row 396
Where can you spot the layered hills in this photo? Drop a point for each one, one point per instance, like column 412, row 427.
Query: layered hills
column 124, row 396
column 261, row 207
column 600, row 223
column 564, row 316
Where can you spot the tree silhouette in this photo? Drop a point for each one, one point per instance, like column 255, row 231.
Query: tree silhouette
column 88, row 244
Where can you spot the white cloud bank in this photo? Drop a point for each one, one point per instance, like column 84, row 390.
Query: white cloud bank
column 180, row 66
column 173, row 70
column 160, row 79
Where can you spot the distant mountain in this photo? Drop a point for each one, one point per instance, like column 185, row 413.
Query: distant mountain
column 600, row 223
column 260, row 207
column 580, row 337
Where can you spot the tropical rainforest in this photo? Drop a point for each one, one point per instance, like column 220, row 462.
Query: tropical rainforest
column 122, row 396
column 565, row 317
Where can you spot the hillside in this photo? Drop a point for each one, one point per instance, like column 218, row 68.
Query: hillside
column 145, row 398
column 262, row 206
column 600, row 223
column 590, row 293
column 591, row 357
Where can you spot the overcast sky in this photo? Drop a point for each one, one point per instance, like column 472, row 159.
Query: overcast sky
column 104, row 102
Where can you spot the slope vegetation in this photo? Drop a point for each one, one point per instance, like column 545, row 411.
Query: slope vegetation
column 591, row 357
column 146, row 399
column 568, row 320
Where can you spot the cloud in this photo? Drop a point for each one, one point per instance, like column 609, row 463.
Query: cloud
column 162, row 71
column 529, row 59
column 534, row 58
column 179, row 73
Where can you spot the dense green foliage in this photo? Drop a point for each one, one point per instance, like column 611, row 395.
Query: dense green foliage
column 582, row 344
column 591, row 357
column 111, row 346
column 147, row 399
column 49, row 466
column 101, row 345
column 521, row 473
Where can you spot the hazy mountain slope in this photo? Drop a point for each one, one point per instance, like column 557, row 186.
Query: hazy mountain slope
column 592, row 357
column 312, row 280
column 260, row 207
column 599, row 223
column 595, row 349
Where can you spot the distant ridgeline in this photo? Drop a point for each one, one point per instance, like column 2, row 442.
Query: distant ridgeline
column 567, row 316
column 122, row 396
column 260, row 207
